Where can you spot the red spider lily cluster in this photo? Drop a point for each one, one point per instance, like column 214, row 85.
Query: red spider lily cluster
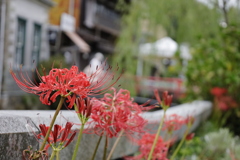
column 61, row 82
column 60, row 137
column 173, row 122
column 222, row 99
column 216, row 91
column 110, row 116
column 145, row 143
column 116, row 112
column 69, row 83
column 152, row 146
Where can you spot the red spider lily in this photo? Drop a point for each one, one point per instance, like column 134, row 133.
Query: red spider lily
column 84, row 108
column 145, row 144
column 116, row 112
column 225, row 102
column 59, row 137
column 167, row 99
column 190, row 136
column 222, row 99
column 189, row 120
column 217, row 91
column 68, row 83
column 173, row 122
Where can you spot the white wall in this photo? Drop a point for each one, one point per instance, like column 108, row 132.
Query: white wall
column 33, row 12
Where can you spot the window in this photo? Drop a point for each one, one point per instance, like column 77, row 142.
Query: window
column 36, row 43
column 20, row 43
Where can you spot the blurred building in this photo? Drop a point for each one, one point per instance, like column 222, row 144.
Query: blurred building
column 63, row 39
column 34, row 30
column 100, row 24
column 24, row 41
column 96, row 28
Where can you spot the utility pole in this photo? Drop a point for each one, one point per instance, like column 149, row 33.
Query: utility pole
column 225, row 12
column 71, row 7
column 2, row 37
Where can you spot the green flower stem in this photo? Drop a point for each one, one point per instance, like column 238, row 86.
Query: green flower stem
column 53, row 155
column 115, row 145
column 224, row 117
column 52, row 122
column 96, row 148
column 181, row 143
column 105, row 149
column 182, row 158
column 157, row 135
column 78, row 142
column 168, row 144
column 57, row 155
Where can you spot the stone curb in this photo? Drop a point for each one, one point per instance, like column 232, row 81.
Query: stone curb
column 17, row 128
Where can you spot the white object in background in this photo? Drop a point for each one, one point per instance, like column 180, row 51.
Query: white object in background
column 165, row 47
column 94, row 63
column 67, row 22
column 184, row 52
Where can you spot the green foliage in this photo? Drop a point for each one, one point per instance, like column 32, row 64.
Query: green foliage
column 217, row 142
column 233, row 151
column 206, row 127
column 191, row 148
column 150, row 20
column 54, row 61
column 211, row 145
column 215, row 63
column 31, row 102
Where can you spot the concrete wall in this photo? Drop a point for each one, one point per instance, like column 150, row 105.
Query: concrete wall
column 15, row 136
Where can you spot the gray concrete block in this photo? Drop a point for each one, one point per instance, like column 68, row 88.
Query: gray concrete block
column 15, row 136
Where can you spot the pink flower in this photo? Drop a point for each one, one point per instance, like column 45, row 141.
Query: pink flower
column 145, row 144
column 59, row 136
column 173, row 122
column 116, row 112
column 67, row 83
